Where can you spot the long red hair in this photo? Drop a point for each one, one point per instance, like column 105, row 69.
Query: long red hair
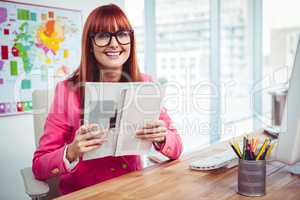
column 103, row 19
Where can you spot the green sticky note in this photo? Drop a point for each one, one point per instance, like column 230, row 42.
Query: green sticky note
column 13, row 68
column 26, row 84
column 30, row 104
column 26, row 106
column 23, row 14
column 33, row 16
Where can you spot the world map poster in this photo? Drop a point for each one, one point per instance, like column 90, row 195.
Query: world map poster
column 38, row 47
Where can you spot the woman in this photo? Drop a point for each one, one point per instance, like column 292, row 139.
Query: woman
column 108, row 55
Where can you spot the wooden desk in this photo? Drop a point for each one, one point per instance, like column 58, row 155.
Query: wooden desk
column 174, row 180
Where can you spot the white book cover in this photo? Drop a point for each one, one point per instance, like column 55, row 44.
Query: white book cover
column 109, row 105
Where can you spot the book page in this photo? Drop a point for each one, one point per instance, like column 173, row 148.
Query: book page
column 141, row 105
column 101, row 107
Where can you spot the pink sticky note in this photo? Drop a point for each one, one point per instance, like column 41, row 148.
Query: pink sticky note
column 1, row 81
column 2, row 108
column 1, row 64
column 3, row 15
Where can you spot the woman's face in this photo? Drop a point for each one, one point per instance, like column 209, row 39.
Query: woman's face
column 113, row 55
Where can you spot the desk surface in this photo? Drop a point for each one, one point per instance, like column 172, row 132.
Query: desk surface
column 174, row 180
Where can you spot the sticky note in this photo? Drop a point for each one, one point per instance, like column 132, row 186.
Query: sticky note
column 15, row 51
column 13, row 68
column 1, row 81
column 4, row 52
column 30, row 104
column 66, row 53
column 7, row 108
column 33, row 16
column 48, row 61
column 26, row 84
column 23, row 14
column 51, row 14
column 3, row 15
column 2, row 108
column 44, row 17
column 6, row 31
column 1, row 64
column 25, row 106
column 19, row 107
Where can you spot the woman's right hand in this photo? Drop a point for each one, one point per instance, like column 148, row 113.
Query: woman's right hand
column 87, row 138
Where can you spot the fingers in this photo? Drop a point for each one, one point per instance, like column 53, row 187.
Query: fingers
column 90, row 131
column 151, row 131
column 151, row 136
column 89, row 148
column 87, row 128
column 88, row 145
column 154, row 131
column 154, row 124
column 102, row 133
column 92, row 142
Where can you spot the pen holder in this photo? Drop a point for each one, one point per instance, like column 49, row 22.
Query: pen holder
column 252, row 177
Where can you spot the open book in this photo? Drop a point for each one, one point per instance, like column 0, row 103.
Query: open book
column 123, row 108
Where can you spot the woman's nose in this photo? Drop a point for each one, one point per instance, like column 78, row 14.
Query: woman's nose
column 113, row 42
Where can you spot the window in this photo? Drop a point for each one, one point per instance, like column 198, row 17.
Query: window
column 135, row 12
column 235, row 69
column 186, row 35
column 182, row 35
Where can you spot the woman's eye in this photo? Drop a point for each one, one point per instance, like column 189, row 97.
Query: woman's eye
column 102, row 36
column 122, row 34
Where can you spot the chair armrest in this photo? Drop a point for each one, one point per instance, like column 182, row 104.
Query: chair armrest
column 33, row 187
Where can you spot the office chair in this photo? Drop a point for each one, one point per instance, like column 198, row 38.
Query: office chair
column 41, row 102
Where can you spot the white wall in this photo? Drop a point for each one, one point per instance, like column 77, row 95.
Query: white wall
column 17, row 137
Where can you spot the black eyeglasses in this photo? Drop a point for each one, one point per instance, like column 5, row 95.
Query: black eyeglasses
column 103, row 39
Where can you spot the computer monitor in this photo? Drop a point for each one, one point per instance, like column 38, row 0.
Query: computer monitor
column 288, row 149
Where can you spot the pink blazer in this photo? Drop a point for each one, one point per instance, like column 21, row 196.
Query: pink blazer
column 61, row 124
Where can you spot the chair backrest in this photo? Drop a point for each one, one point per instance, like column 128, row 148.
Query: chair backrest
column 41, row 102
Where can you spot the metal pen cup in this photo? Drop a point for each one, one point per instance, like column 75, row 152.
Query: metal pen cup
column 252, row 177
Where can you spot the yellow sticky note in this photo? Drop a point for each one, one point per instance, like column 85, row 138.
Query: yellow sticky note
column 48, row 61
column 66, row 53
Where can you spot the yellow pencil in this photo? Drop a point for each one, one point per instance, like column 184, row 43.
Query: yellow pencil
column 269, row 150
column 236, row 145
column 262, row 149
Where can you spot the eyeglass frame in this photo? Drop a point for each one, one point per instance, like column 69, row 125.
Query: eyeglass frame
column 114, row 34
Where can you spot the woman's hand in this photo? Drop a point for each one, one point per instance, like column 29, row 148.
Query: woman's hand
column 154, row 132
column 87, row 138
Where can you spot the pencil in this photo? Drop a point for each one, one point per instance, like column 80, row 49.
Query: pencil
column 244, row 148
column 234, row 149
column 269, row 150
column 236, row 145
column 262, row 149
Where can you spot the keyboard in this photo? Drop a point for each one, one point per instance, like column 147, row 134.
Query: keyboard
column 226, row 158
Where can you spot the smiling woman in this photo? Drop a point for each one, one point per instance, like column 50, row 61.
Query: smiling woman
column 108, row 55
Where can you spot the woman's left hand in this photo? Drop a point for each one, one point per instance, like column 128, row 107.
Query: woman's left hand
column 154, row 132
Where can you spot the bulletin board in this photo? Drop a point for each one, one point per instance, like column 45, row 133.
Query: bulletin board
column 38, row 46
